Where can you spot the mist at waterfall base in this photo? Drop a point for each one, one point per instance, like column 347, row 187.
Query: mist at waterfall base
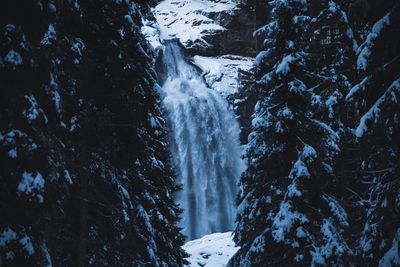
column 204, row 140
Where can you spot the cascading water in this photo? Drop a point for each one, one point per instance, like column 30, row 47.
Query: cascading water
column 204, row 145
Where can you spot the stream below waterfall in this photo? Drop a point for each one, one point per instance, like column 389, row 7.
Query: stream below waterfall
column 204, row 138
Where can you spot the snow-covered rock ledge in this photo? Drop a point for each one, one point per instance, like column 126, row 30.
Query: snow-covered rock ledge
column 214, row 250
column 223, row 73
column 194, row 23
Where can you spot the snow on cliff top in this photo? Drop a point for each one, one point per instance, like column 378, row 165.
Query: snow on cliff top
column 214, row 250
column 223, row 73
column 190, row 20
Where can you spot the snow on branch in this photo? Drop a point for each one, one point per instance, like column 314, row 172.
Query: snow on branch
column 373, row 113
column 358, row 87
column 365, row 49
column 284, row 66
column 392, row 256
column 284, row 221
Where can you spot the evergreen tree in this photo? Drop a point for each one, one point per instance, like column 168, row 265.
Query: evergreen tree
column 86, row 175
column 374, row 101
column 288, row 209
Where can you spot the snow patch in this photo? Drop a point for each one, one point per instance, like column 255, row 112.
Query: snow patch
column 392, row 256
column 34, row 111
column 214, row 250
column 365, row 53
column 373, row 114
column 49, row 37
column 152, row 34
column 26, row 244
column 46, row 253
column 31, row 185
column 12, row 153
column 332, row 247
column 299, row 169
column 13, row 57
column 67, row 177
column 293, row 190
column 337, row 210
column 284, row 221
column 284, row 65
column 356, row 88
column 7, row 236
column 188, row 20
column 223, row 73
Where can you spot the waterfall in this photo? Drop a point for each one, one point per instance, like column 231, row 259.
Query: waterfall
column 204, row 146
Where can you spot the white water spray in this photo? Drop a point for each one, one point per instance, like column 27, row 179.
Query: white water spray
column 204, row 145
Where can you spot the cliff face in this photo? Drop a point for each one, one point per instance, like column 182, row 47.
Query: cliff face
column 211, row 27
column 218, row 38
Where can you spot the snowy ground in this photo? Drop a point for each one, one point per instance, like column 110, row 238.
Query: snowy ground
column 214, row 250
column 191, row 21
column 223, row 73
